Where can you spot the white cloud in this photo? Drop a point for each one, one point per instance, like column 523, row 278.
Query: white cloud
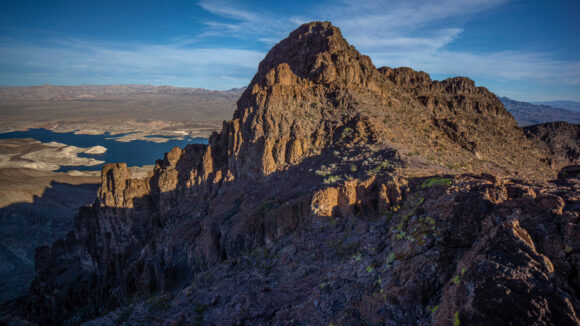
column 437, row 40
column 226, row 9
column 217, row 68
column 388, row 14
column 244, row 23
column 413, row 33
column 504, row 65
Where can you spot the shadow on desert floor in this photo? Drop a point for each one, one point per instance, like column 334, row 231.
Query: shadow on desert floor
column 25, row 226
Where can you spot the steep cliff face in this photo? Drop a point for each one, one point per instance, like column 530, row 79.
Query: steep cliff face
column 313, row 90
column 307, row 174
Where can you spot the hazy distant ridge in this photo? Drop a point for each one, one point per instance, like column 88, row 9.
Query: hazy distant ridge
column 51, row 92
column 568, row 105
column 527, row 114
column 95, row 109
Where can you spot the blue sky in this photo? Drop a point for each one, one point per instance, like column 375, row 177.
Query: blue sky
column 526, row 50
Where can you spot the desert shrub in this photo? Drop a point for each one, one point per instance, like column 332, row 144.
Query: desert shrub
column 332, row 179
column 456, row 321
column 322, row 173
column 382, row 166
column 436, row 181
column 346, row 133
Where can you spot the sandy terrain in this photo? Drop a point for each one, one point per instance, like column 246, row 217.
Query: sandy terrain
column 23, row 185
column 142, row 110
column 32, row 154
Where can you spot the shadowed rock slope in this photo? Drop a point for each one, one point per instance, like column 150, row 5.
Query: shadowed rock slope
column 561, row 140
column 318, row 204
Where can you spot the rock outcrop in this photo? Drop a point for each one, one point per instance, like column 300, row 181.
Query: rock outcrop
column 570, row 171
column 304, row 209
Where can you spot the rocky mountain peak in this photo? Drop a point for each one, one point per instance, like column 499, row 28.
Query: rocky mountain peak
column 293, row 104
column 313, row 54
column 313, row 92
column 326, row 158
column 313, row 88
column 315, row 51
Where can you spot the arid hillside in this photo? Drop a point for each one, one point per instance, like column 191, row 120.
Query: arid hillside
column 116, row 108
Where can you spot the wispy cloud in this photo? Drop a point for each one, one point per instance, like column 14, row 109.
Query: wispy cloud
column 243, row 22
column 410, row 33
column 429, row 41
column 228, row 10
column 234, row 18
column 502, row 66
column 365, row 23
column 415, row 33
column 386, row 15
column 70, row 60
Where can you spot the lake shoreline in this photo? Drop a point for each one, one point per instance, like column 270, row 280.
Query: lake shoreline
column 83, row 152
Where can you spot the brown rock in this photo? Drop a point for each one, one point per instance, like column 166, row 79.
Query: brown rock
column 114, row 179
column 554, row 203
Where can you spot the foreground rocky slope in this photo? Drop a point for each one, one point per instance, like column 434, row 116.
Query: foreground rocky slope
column 317, row 204
column 470, row 250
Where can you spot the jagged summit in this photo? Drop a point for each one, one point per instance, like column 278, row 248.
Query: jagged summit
column 315, row 51
column 313, row 84
column 313, row 92
column 295, row 100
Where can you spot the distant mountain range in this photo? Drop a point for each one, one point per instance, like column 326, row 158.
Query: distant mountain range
column 568, row 105
column 527, row 114
column 52, row 92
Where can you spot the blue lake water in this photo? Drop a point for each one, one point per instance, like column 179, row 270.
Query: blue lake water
column 138, row 152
